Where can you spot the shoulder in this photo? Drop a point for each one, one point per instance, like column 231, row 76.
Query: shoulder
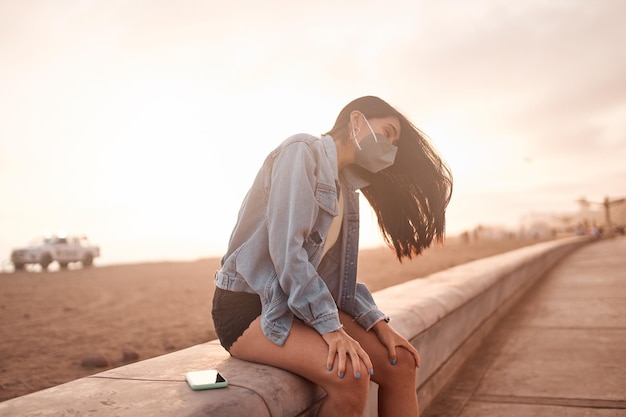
column 306, row 154
column 300, row 141
column 300, row 147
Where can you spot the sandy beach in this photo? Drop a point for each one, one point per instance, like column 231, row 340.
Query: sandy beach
column 50, row 322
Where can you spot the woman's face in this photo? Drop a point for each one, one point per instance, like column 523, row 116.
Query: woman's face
column 386, row 126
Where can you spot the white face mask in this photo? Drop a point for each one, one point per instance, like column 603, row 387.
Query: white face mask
column 375, row 152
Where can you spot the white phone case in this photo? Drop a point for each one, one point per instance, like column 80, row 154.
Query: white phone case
column 207, row 379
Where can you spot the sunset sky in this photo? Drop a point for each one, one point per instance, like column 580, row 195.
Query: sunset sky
column 143, row 122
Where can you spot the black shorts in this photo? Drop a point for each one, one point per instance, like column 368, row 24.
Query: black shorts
column 232, row 314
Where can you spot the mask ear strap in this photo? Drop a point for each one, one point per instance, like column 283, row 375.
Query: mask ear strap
column 370, row 126
column 354, row 137
column 355, row 140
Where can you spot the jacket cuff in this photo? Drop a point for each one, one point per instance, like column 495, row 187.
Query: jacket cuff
column 369, row 319
column 327, row 324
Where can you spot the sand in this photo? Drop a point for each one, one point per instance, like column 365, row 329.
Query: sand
column 51, row 321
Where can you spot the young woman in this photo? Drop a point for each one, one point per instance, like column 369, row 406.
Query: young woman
column 286, row 294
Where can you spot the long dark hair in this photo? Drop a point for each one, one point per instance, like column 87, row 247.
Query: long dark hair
column 410, row 197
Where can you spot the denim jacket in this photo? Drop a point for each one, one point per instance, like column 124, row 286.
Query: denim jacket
column 276, row 246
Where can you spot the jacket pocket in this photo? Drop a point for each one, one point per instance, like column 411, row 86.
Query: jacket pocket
column 274, row 296
column 326, row 196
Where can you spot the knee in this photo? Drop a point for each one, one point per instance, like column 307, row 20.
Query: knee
column 404, row 371
column 357, row 393
column 405, row 364
column 352, row 391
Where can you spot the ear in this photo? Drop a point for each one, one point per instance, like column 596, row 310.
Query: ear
column 355, row 119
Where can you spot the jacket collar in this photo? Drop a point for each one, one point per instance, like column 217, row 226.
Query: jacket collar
column 349, row 175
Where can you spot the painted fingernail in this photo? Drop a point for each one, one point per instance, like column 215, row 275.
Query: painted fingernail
column 358, row 375
column 330, row 367
column 341, row 375
column 371, row 372
column 393, row 362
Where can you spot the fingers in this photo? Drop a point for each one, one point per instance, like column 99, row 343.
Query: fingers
column 393, row 356
column 356, row 364
column 336, row 357
column 392, row 340
column 341, row 359
column 367, row 362
column 414, row 352
column 342, row 347
column 358, row 358
column 416, row 355
column 330, row 360
column 411, row 349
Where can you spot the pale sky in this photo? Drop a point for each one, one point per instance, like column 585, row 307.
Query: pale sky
column 142, row 123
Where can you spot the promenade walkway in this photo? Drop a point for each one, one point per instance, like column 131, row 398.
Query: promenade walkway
column 561, row 351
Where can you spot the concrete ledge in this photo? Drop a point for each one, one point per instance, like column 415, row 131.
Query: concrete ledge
column 445, row 315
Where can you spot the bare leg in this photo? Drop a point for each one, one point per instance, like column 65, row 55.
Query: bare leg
column 397, row 396
column 305, row 353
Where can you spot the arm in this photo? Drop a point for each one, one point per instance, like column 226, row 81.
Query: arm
column 371, row 318
column 292, row 213
column 364, row 308
column 392, row 340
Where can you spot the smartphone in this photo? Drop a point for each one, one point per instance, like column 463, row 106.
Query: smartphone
column 207, row 379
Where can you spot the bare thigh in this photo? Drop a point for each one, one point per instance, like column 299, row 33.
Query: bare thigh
column 304, row 353
column 384, row 372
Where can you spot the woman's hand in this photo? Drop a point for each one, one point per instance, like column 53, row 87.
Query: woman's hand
column 341, row 347
column 392, row 339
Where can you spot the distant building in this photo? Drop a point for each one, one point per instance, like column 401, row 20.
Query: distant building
column 481, row 232
column 591, row 217
column 539, row 225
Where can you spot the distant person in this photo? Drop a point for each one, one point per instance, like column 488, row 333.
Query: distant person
column 286, row 294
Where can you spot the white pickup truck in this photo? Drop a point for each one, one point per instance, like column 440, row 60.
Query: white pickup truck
column 60, row 248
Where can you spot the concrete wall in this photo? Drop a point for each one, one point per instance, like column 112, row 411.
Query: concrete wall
column 445, row 316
